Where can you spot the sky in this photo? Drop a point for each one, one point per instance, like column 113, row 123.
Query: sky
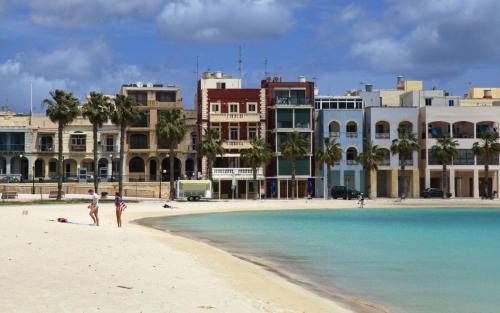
column 98, row 45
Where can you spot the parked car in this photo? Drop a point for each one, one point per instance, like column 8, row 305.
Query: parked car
column 344, row 192
column 433, row 193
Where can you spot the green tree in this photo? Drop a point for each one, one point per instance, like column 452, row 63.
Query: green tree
column 170, row 129
column 62, row 109
column 329, row 154
column 256, row 156
column 124, row 112
column 404, row 146
column 211, row 147
column 296, row 146
column 97, row 111
column 371, row 156
column 487, row 150
column 444, row 151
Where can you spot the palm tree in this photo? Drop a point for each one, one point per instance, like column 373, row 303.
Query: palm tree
column 444, row 151
column 296, row 146
column 487, row 149
column 96, row 110
column 125, row 112
column 211, row 147
column 405, row 145
column 329, row 155
column 62, row 109
column 371, row 156
column 170, row 129
column 258, row 154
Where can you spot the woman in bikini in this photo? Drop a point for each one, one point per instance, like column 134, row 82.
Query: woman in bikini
column 119, row 209
column 94, row 207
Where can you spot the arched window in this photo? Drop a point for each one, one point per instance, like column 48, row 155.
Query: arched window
column 351, row 129
column 334, row 129
column 136, row 165
column 351, row 155
column 382, row 130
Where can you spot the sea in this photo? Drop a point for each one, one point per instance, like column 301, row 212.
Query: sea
column 403, row 260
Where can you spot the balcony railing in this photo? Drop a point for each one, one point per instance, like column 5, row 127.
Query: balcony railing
column 352, row 135
column 291, row 101
column 385, row 162
column 382, row 135
column 236, row 173
column 334, row 134
column 12, row 147
column 109, row 148
column 78, row 148
column 46, row 148
column 234, row 117
column 407, row 162
column 351, row 162
column 236, row 144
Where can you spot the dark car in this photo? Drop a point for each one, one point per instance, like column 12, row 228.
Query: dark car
column 344, row 192
column 433, row 193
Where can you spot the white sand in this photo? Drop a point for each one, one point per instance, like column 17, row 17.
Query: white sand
column 53, row 267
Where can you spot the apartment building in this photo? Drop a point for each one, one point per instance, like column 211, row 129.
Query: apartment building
column 290, row 107
column 239, row 114
column 15, row 147
column 340, row 118
column 146, row 155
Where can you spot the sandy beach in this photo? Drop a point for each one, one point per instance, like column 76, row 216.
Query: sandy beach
column 55, row 267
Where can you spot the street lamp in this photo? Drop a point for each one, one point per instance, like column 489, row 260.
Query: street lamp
column 20, row 167
column 33, row 180
column 161, row 178
column 62, row 165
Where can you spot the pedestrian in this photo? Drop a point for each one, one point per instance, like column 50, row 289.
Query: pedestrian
column 94, row 207
column 361, row 200
column 119, row 208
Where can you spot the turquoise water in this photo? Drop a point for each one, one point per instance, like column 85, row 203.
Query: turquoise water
column 429, row 260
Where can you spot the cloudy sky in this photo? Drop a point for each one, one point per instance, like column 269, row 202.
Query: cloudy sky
column 83, row 45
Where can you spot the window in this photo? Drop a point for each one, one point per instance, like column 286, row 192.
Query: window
column 428, row 102
column 52, row 166
column 110, row 142
column 285, row 118
column 221, row 86
column 143, row 120
column 136, row 165
column 165, row 96
column 78, row 142
column 302, row 118
column 141, row 97
column 234, row 133
column 351, row 127
column 251, row 107
column 252, row 133
column 138, row 141
column 215, row 108
column 46, row 143
column 451, row 103
column 464, row 157
column 234, row 108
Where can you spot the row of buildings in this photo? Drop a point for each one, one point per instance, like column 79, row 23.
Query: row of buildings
column 271, row 111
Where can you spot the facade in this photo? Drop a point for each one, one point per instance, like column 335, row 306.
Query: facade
column 147, row 157
column 463, row 123
column 340, row 118
column 15, row 147
column 290, row 107
column 239, row 114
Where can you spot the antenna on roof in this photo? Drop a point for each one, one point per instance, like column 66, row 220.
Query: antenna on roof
column 31, row 100
column 266, row 73
column 197, row 67
column 240, row 62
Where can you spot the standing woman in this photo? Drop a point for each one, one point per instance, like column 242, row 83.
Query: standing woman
column 119, row 207
column 94, row 207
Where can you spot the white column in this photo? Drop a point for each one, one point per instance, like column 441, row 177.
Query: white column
column 452, row 182
column 110, row 167
column 7, row 166
column 427, row 178
column 476, row 183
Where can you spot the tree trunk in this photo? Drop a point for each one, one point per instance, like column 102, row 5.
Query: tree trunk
column 255, row 183
column 59, row 161
column 172, row 176
column 443, row 180
column 293, row 178
column 122, row 154
column 368, row 176
column 96, row 165
column 486, row 177
column 403, row 180
column 328, row 170
column 209, row 169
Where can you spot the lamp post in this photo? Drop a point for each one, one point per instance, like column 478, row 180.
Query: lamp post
column 21, row 156
column 62, row 170
column 33, row 180
column 161, row 178
column 110, row 175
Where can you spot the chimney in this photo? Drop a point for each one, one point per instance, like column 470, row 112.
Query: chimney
column 218, row 74
column 302, row 79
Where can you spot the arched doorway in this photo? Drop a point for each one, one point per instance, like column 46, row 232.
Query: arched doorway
column 189, row 168
column 39, row 168
column 165, row 165
column 136, row 168
column 102, row 168
column 3, row 166
column 19, row 165
column 153, row 168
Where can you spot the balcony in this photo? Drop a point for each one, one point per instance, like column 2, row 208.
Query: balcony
column 236, row 173
column 45, row 148
column 334, row 134
column 12, row 147
column 234, row 117
column 384, row 162
column 291, row 101
column 352, row 135
column 351, row 162
column 382, row 135
column 108, row 148
column 407, row 162
column 236, row 144
column 77, row 147
column 169, row 104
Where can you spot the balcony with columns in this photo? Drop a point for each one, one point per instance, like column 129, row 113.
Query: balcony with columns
column 234, row 117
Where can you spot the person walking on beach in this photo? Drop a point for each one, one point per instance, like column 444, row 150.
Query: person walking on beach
column 94, row 207
column 361, row 201
column 119, row 207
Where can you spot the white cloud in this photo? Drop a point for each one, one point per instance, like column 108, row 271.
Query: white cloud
column 226, row 20
column 84, row 13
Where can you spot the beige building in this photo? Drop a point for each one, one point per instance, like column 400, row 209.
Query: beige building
column 146, row 157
